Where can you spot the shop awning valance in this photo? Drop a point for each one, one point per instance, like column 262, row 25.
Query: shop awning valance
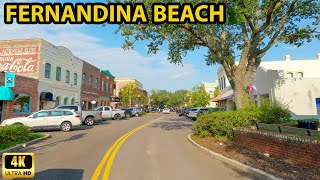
column 6, row 94
column 46, row 96
column 223, row 96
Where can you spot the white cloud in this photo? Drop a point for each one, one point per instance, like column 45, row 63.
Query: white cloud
column 154, row 71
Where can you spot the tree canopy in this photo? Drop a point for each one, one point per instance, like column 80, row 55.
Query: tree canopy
column 252, row 28
column 199, row 97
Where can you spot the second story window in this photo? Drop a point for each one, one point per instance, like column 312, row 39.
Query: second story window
column 75, row 79
column 90, row 81
column 47, row 72
column 58, row 73
column 102, row 85
column 83, row 78
column 67, row 76
column 107, row 86
column 97, row 86
column 111, row 87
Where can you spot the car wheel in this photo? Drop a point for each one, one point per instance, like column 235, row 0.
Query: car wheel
column 117, row 117
column 89, row 121
column 137, row 115
column 66, row 126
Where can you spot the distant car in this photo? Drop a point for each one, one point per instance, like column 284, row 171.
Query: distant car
column 180, row 111
column 186, row 111
column 127, row 112
column 135, row 111
column 62, row 119
column 194, row 113
column 109, row 113
column 166, row 111
column 147, row 110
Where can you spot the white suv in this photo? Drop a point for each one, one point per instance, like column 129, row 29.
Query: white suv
column 62, row 119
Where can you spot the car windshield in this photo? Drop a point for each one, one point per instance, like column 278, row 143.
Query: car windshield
column 194, row 109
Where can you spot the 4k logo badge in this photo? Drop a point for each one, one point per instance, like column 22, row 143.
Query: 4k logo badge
column 18, row 165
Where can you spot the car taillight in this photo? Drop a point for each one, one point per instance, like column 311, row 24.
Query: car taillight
column 77, row 116
column 100, row 114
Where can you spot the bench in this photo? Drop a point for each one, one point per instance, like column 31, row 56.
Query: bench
column 288, row 130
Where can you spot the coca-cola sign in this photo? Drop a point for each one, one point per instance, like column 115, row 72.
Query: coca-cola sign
column 20, row 60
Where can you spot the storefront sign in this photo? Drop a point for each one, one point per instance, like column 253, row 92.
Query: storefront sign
column 115, row 99
column 9, row 80
column 20, row 60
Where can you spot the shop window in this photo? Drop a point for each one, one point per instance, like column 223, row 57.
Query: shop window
column 65, row 101
column 47, row 72
column 58, row 73
column 90, row 81
column 97, row 87
column 57, row 103
column 67, row 76
column 75, row 79
column 22, row 104
column 111, row 87
column 102, row 85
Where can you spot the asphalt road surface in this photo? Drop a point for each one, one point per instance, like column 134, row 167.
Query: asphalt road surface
column 155, row 147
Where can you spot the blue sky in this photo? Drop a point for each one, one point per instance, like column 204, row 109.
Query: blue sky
column 101, row 47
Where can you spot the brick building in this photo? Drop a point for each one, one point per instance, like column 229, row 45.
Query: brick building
column 106, row 87
column 90, row 93
column 20, row 100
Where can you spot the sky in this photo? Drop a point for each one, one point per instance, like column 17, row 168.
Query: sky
column 101, row 47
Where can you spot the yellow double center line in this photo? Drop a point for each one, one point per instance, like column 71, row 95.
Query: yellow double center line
column 114, row 150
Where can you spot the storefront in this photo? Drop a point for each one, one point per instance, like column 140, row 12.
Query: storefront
column 6, row 94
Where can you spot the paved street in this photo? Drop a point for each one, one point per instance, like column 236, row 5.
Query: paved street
column 160, row 151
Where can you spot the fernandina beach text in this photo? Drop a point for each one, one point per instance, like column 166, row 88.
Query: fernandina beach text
column 113, row 13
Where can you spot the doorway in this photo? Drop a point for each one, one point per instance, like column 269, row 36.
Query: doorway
column 1, row 111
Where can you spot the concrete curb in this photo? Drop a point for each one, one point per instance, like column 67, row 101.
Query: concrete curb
column 256, row 172
column 20, row 146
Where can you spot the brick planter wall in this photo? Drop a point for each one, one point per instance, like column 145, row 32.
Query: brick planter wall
column 295, row 149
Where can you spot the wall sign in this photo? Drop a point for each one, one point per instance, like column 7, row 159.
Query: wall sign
column 9, row 80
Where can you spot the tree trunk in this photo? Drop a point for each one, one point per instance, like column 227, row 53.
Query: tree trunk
column 240, row 93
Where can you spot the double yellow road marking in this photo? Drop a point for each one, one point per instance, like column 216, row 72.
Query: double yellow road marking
column 113, row 150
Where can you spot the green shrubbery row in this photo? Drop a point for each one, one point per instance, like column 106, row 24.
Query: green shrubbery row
column 15, row 134
column 221, row 124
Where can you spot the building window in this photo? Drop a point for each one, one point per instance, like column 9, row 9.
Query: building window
column 219, row 84
column 97, row 86
column 289, row 75
column 67, row 76
column 300, row 74
column 65, row 101
column 111, row 87
column 57, row 103
column 47, row 72
column 83, row 78
column 90, row 81
column 72, row 101
column 58, row 73
column 75, row 79
column 102, row 85
column 22, row 104
column 107, row 86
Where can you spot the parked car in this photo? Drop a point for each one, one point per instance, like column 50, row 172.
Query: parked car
column 62, row 119
column 186, row 111
column 128, row 112
column 166, row 111
column 87, row 117
column 109, row 113
column 194, row 113
column 135, row 111
column 180, row 111
column 147, row 110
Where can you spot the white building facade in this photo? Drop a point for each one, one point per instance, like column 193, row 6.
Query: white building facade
column 210, row 89
column 294, row 83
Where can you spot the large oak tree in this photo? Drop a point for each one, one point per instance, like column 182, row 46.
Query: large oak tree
column 252, row 28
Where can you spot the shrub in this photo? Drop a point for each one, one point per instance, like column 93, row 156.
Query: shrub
column 274, row 113
column 13, row 133
column 144, row 113
column 222, row 123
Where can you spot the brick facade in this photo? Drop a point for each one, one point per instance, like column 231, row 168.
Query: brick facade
column 22, row 85
column 90, row 89
column 295, row 149
column 106, row 90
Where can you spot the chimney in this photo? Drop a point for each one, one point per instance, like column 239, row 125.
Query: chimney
column 318, row 56
column 287, row 57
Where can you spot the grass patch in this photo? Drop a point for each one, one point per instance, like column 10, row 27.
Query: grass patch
column 31, row 136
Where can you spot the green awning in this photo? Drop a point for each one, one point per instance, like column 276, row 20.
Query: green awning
column 6, row 94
